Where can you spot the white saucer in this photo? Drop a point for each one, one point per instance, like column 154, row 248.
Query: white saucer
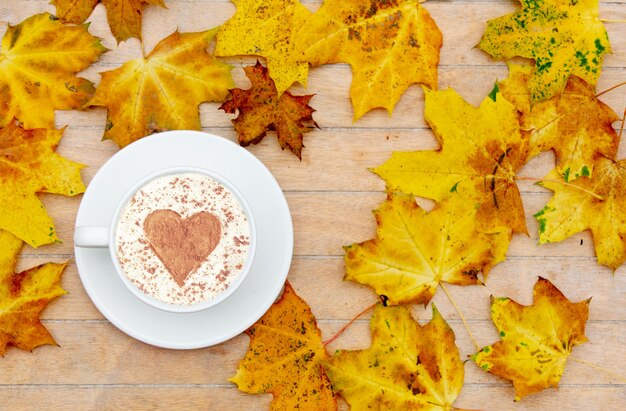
column 267, row 274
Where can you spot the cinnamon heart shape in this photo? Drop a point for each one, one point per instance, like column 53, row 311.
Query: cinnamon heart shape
column 182, row 244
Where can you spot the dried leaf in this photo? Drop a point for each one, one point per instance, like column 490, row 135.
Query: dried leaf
column 124, row 15
column 536, row 339
column 574, row 123
column 597, row 203
column 261, row 109
column 29, row 165
column 163, row 90
column 415, row 250
column 407, row 367
column 481, row 151
column 284, row 358
column 266, row 29
column 389, row 45
column 563, row 37
column 23, row 296
column 38, row 64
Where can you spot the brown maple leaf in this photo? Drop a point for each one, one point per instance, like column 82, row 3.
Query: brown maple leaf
column 23, row 296
column 285, row 358
column 261, row 109
column 124, row 16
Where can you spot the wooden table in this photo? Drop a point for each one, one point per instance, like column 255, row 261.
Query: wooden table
column 330, row 194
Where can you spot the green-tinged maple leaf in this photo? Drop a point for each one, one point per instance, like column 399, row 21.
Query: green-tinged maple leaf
column 481, row 151
column 163, row 90
column 389, row 45
column 23, row 296
column 407, row 367
column 415, row 250
column 285, row 356
column 267, row 29
column 574, row 123
column 29, row 165
column 261, row 109
column 596, row 203
column 535, row 340
column 563, row 37
column 124, row 16
column 39, row 60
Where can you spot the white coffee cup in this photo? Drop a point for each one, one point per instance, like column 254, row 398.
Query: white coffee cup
column 104, row 237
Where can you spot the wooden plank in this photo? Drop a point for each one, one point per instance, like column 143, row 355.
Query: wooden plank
column 95, row 352
column 349, row 215
column 150, row 397
column 104, row 397
column 339, row 159
column 320, row 282
column 331, row 84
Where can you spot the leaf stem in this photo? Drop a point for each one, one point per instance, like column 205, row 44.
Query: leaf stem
column 621, row 129
column 610, row 89
column 548, row 180
column 461, row 315
column 345, row 327
column 597, row 367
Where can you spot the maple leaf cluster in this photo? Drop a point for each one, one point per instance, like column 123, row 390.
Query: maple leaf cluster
column 472, row 177
column 389, row 45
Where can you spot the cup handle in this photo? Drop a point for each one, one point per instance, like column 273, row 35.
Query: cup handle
column 91, row 237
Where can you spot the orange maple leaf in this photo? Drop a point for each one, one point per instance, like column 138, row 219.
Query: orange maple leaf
column 573, row 123
column 407, row 367
column 285, row 356
column 536, row 339
column 481, row 151
column 124, row 15
column 261, row 109
column 162, row 91
column 23, row 296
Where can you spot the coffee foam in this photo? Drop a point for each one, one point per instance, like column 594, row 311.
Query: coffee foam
column 186, row 194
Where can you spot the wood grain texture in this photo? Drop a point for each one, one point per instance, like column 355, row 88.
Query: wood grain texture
column 331, row 194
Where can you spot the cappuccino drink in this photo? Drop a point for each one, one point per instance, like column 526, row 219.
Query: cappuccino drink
column 182, row 238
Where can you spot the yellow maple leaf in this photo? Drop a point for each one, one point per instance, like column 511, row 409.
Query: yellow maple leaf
column 267, row 29
column 407, row 367
column 536, row 339
column 284, row 358
column 124, row 16
column 163, row 90
column 481, row 150
column 39, row 60
column 29, row 165
column 23, row 296
column 415, row 250
column 596, row 203
column 389, row 45
column 574, row 123
column 563, row 37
